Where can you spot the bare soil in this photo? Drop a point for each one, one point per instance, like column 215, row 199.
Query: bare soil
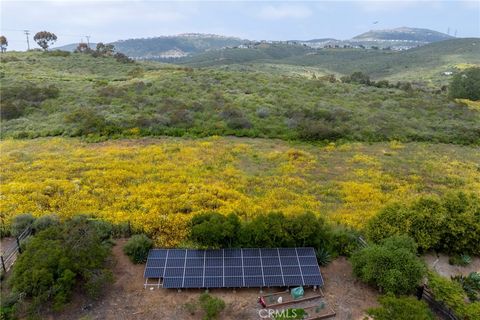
column 439, row 263
column 127, row 298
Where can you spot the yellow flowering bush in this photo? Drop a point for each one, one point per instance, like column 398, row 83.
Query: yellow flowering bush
column 159, row 184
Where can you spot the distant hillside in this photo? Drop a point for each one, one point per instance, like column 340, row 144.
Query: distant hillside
column 166, row 47
column 404, row 34
column 411, row 64
column 80, row 95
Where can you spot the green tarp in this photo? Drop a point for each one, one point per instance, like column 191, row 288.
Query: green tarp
column 297, row 292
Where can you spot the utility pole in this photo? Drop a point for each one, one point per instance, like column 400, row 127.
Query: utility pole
column 88, row 41
column 27, row 33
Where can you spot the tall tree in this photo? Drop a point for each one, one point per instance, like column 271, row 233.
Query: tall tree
column 105, row 49
column 83, row 48
column 45, row 39
column 3, row 43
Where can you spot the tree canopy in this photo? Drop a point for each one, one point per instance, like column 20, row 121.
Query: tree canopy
column 466, row 84
column 45, row 39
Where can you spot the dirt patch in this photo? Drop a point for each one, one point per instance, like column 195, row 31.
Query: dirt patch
column 439, row 263
column 127, row 298
column 348, row 296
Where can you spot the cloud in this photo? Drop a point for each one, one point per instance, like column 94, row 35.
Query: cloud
column 284, row 12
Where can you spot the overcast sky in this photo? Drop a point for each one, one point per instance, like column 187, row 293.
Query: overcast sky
column 276, row 20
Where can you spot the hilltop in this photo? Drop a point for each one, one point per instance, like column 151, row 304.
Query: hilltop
column 166, row 47
column 404, row 34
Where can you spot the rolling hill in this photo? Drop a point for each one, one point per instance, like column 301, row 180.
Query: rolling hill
column 190, row 44
column 404, row 34
column 167, row 47
column 44, row 94
column 422, row 63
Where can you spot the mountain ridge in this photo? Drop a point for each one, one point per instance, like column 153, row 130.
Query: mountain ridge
column 188, row 44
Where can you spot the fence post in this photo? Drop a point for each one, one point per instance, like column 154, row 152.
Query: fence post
column 3, row 264
column 18, row 245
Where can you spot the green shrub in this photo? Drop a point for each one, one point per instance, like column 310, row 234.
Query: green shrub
column 137, row 248
column 277, row 230
column 401, row 308
column 422, row 220
column 392, row 265
column 103, row 228
column 214, row 230
column 461, row 227
column 212, row 306
column 470, row 284
column 453, row 296
column 17, row 97
column 460, row 260
column 323, row 257
column 8, row 305
column 342, row 241
column 451, row 224
column 466, row 84
column 96, row 281
column 45, row 222
column 57, row 53
column 54, row 260
column 191, row 307
column 20, row 222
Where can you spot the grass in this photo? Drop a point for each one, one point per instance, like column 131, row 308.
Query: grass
column 99, row 98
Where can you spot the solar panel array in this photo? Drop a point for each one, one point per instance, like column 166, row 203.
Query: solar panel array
column 234, row 268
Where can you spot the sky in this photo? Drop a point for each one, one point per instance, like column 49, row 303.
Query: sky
column 107, row 21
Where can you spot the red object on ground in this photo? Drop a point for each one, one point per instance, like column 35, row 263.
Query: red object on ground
column 261, row 300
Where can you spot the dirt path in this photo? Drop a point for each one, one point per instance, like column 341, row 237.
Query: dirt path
column 348, row 296
column 127, row 298
column 441, row 266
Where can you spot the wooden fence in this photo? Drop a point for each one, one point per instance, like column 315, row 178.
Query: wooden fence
column 440, row 308
column 10, row 255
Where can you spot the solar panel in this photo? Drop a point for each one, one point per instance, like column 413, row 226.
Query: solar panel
column 270, row 261
column 254, row 281
column 213, row 262
column 193, row 282
column 213, row 272
column 175, row 263
column 272, row 271
column 153, row 272
column 156, row 263
column 157, row 253
column 253, row 271
column 250, row 267
column 232, row 253
column 251, row 252
column 310, row 270
column 195, row 262
column 233, row 262
column 233, row 271
column 193, row 272
column 213, row 282
column 233, row 282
